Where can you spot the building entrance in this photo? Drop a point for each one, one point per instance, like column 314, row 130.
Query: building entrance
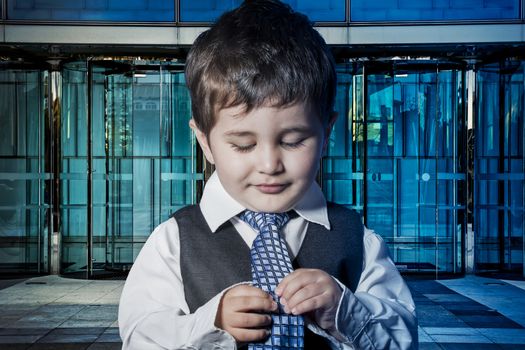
column 129, row 160
column 25, row 173
column 95, row 154
column 398, row 155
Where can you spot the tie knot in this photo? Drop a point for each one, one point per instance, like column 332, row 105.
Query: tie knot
column 263, row 220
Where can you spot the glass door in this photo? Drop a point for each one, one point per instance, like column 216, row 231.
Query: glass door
column 415, row 195
column 342, row 167
column 400, row 162
column 25, row 177
column 141, row 163
column 499, row 169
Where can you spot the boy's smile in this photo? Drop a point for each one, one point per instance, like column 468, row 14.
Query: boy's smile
column 265, row 159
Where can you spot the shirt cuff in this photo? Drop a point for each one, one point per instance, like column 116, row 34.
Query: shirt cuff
column 351, row 317
column 336, row 337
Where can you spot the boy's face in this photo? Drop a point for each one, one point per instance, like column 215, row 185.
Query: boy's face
column 268, row 158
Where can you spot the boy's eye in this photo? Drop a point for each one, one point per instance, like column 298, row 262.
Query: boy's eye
column 242, row 148
column 295, row 144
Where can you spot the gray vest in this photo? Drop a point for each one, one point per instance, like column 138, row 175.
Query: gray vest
column 211, row 262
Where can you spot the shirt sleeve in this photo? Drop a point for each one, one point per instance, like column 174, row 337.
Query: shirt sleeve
column 381, row 312
column 153, row 313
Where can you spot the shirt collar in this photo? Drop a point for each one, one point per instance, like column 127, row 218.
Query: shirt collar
column 311, row 207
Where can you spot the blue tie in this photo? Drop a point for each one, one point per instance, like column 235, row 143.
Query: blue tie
column 270, row 264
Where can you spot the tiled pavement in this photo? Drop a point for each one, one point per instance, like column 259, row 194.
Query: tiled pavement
column 51, row 312
column 471, row 312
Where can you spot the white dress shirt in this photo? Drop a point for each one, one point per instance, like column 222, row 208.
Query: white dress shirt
column 153, row 312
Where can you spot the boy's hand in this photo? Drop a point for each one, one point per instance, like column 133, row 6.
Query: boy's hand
column 244, row 313
column 311, row 291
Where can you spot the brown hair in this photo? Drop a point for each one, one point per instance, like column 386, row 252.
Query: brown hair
column 262, row 53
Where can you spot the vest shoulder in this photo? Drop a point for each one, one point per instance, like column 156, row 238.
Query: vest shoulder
column 187, row 210
column 340, row 211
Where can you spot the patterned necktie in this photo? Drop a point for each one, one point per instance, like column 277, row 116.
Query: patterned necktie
column 270, row 264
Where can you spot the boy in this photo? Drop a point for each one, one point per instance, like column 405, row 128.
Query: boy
column 262, row 83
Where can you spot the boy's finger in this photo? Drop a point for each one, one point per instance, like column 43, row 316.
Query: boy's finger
column 247, row 290
column 253, row 304
column 251, row 320
column 306, row 293
column 283, row 285
column 294, row 282
column 244, row 335
column 308, row 305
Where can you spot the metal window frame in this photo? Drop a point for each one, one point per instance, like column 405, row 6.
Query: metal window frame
column 346, row 23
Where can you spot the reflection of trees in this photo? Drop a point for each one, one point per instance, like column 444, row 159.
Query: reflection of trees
column 118, row 110
column 470, row 174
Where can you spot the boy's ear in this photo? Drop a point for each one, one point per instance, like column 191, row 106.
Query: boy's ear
column 203, row 141
column 328, row 129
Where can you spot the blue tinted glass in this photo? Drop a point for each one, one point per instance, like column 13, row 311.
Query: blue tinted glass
column 499, row 163
column 320, row 11
column 23, row 202
column 210, row 10
column 93, row 10
column 205, row 10
column 430, row 10
column 410, row 147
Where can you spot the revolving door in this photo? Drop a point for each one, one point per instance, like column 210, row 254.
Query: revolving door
column 129, row 160
column 396, row 155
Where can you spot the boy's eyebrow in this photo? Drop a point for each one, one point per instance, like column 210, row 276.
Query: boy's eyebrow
column 295, row 129
column 239, row 133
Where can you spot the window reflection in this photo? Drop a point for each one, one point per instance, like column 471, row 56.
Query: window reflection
column 384, row 10
column 210, row 10
column 143, row 160
column 500, row 167
column 93, row 10
column 23, row 178
column 412, row 135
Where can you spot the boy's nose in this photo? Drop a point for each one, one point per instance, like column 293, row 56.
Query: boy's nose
column 270, row 161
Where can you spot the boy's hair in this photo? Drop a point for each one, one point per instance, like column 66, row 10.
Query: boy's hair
column 262, row 53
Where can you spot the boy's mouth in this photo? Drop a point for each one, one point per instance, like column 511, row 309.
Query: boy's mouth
column 271, row 188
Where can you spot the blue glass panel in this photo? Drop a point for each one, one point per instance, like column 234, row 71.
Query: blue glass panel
column 342, row 168
column 320, row 11
column 500, row 167
column 210, row 10
column 143, row 158
column 23, row 181
column 413, row 134
column 92, row 10
column 433, row 10
column 205, row 10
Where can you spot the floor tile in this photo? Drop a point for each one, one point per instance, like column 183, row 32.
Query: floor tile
column 17, row 339
column 68, row 338
column 457, row 338
column 59, row 346
column 450, row 331
column 471, row 346
column 504, row 336
column 429, row 346
column 105, row 346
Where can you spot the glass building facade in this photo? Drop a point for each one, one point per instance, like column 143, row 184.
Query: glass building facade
column 95, row 152
column 205, row 11
column 499, row 166
column 396, row 158
column 24, row 203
